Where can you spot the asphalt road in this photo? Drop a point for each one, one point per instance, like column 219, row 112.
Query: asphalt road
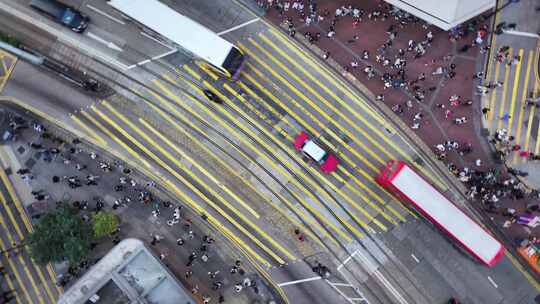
column 256, row 179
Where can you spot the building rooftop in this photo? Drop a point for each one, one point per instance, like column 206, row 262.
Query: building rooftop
column 129, row 273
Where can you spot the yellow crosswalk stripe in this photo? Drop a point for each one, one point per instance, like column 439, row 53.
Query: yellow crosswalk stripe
column 493, row 96
column 173, row 123
column 315, row 133
column 530, row 123
column 252, row 108
column 26, row 221
column 117, row 140
column 173, row 188
column 259, row 99
column 29, row 228
column 171, row 158
column 15, row 271
column 89, row 130
column 206, row 69
column 502, row 102
column 367, row 108
column 262, row 155
column 522, row 107
column 356, row 206
column 199, row 167
column 12, row 265
column 208, row 85
column 192, row 72
column 9, row 281
column 231, row 131
column 316, row 94
column 515, row 92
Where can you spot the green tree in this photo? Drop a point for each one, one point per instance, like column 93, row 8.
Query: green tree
column 60, row 235
column 105, row 223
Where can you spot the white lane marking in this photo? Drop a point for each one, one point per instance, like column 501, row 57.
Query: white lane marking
column 156, row 40
column 234, row 28
column 299, row 281
column 492, row 282
column 109, row 44
column 382, row 279
column 523, row 34
column 105, row 14
column 347, row 260
column 153, row 58
column 341, row 284
column 415, row 258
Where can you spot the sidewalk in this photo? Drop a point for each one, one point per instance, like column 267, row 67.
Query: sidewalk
column 422, row 98
column 207, row 253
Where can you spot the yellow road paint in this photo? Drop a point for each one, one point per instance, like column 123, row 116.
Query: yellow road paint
column 522, row 105
column 15, row 271
column 258, row 98
column 261, row 115
column 514, row 92
column 206, row 69
column 171, row 158
column 262, row 155
column 170, row 185
column 493, row 96
column 23, row 215
column 319, row 97
column 192, row 72
column 315, row 133
column 19, row 257
column 367, row 108
column 89, row 130
column 10, row 282
column 116, row 139
column 214, row 222
column 199, row 167
column 238, row 136
column 282, row 199
column 503, row 96
column 527, row 276
column 297, row 223
column 7, row 70
column 530, row 123
column 294, row 155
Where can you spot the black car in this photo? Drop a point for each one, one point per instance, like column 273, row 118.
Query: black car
column 213, row 97
column 61, row 13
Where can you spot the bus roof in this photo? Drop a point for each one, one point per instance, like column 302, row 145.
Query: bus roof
column 177, row 28
column 446, row 215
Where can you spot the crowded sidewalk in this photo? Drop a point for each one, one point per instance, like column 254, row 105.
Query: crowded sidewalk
column 434, row 81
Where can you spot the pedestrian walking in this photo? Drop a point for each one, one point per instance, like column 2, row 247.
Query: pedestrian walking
column 506, row 117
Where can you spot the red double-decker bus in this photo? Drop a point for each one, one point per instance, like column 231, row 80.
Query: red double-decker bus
column 400, row 179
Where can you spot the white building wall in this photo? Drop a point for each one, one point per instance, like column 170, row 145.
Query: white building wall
column 444, row 13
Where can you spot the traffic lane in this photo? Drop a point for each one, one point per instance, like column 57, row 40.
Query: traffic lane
column 218, row 16
column 303, row 286
column 110, row 27
column 45, row 91
column 445, row 271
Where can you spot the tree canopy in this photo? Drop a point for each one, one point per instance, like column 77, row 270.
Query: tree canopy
column 104, row 223
column 60, row 235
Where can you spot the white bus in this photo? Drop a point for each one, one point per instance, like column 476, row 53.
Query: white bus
column 185, row 33
column 404, row 182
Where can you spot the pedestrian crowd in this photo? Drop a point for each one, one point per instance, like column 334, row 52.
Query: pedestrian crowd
column 390, row 63
column 89, row 169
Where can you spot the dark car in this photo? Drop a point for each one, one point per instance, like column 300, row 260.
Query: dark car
column 61, row 13
column 212, row 96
